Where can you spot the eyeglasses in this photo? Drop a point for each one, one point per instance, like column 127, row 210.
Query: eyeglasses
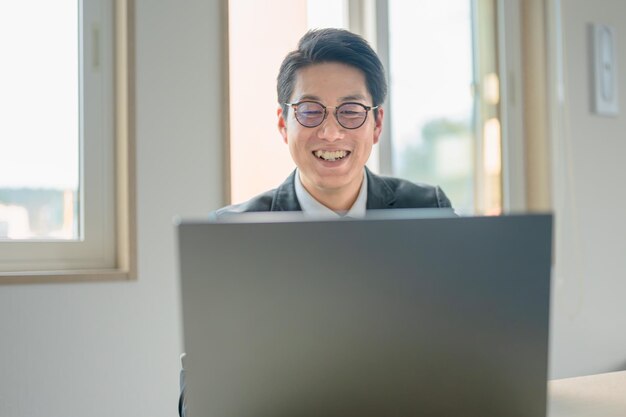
column 348, row 115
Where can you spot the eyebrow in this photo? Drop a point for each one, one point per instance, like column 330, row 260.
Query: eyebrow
column 309, row 97
column 342, row 99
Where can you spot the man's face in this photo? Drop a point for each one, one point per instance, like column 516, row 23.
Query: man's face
column 313, row 149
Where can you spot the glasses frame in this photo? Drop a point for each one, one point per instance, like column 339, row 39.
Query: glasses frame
column 367, row 109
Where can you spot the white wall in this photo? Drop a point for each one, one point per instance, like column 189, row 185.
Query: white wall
column 589, row 176
column 111, row 349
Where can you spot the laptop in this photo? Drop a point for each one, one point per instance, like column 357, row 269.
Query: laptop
column 403, row 313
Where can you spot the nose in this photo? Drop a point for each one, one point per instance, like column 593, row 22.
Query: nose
column 330, row 129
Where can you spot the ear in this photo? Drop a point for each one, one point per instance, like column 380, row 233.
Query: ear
column 282, row 123
column 378, row 124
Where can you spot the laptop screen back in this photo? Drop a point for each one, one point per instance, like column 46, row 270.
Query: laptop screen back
column 391, row 316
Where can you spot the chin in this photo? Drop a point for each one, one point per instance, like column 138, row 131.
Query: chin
column 332, row 184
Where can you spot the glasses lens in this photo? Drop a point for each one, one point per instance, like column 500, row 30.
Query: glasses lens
column 310, row 114
column 351, row 115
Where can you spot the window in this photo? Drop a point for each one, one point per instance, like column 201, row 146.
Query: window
column 443, row 120
column 431, row 105
column 444, row 99
column 65, row 172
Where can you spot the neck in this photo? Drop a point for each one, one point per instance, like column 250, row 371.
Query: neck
column 338, row 200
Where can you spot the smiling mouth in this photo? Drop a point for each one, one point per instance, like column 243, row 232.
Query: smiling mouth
column 331, row 155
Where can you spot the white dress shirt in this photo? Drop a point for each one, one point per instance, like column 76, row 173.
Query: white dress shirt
column 311, row 207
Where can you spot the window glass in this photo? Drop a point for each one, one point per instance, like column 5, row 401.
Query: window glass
column 327, row 14
column 39, row 129
column 431, row 102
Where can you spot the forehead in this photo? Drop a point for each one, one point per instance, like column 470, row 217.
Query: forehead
column 330, row 82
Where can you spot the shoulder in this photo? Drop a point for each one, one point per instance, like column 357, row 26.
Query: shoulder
column 282, row 198
column 410, row 193
column 262, row 202
column 406, row 194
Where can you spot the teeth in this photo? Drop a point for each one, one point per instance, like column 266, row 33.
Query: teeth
column 331, row 155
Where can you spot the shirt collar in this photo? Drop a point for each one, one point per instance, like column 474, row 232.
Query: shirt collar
column 311, row 207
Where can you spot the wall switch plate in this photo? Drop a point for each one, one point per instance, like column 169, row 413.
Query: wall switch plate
column 604, row 70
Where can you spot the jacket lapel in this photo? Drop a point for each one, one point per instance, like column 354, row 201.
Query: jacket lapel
column 379, row 194
column 285, row 198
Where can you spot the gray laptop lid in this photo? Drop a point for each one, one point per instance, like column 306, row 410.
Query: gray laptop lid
column 394, row 315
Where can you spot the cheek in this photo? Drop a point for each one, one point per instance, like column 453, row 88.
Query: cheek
column 298, row 136
column 296, row 143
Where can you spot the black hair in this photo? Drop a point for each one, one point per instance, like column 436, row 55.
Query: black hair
column 332, row 45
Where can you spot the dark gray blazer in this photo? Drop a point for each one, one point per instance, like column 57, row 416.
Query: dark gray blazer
column 382, row 193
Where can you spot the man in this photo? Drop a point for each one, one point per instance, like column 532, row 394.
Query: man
column 330, row 94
